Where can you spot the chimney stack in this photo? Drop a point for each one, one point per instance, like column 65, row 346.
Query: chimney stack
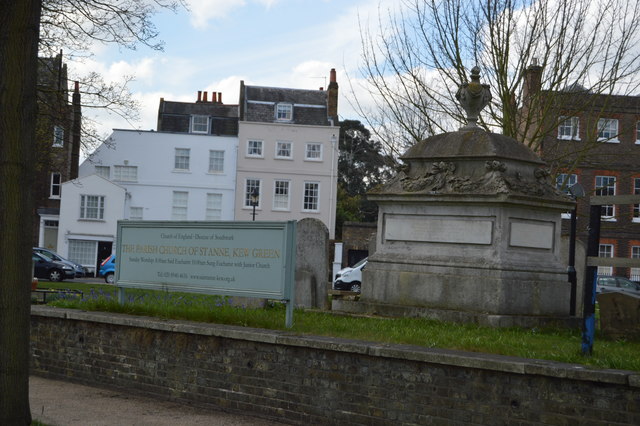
column 532, row 80
column 332, row 97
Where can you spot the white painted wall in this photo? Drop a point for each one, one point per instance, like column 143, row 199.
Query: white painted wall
column 154, row 154
column 297, row 170
column 72, row 226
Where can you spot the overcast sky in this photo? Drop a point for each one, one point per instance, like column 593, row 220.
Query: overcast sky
column 282, row 43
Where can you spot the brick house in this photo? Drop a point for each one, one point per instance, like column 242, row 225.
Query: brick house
column 596, row 144
column 57, row 147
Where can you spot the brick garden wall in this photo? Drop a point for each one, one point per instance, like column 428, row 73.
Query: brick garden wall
column 320, row 380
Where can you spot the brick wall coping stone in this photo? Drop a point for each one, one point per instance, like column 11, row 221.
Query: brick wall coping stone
column 474, row 360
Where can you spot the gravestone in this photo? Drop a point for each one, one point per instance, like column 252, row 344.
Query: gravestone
column 619, row 315
column 312, row 263
column 468, row 231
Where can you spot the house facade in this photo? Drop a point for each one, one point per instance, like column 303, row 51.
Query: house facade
column 597, row 144
column 165, row 176
column 57, row 147
column 89, row 213
column 288, row 154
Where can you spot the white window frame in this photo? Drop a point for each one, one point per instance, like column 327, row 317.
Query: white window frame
column 284, row 112
column 103, row 171
column 55, row 189
column 571, row 179
column 281, row 195
column 608, row 189
column 255, row 148
column 83, row 252
column 569, row 128
column 216, row 161
column 305, row 196
column 249, row 184
column 200, row 124
column 607, row 131
column 634, row 273
column 605, row 250
column 638, row 133
column 214, row 207
column 313, row 154
column 283, row 147
column 86, row 209
column 181, row 160
column 125, row 173
column 136, row 213
column 180, row 205
column 58, row 136
column 636, row 207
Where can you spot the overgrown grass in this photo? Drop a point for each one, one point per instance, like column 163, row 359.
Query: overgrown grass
column 550, row 344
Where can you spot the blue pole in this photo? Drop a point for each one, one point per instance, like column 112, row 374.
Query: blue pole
column 590, row 280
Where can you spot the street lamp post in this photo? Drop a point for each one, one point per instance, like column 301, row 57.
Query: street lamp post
column 255, row 195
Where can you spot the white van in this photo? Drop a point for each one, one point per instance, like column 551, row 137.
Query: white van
column 350, row 278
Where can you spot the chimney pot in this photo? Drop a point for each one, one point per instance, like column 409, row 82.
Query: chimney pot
column 76, row 87
column 219, row 97
column 199, row 95
column 204, row 96
column 332, row 75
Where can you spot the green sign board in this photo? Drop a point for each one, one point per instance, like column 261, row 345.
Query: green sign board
column 249, row 259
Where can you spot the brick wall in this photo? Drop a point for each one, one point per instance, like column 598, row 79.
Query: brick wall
column 356, row 236
column 321, row 380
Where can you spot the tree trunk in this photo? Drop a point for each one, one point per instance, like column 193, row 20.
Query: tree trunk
column 19, row 29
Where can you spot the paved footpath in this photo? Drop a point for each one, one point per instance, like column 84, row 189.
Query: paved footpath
column 60, row 403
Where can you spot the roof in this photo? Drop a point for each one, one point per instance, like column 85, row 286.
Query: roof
column 309, row 106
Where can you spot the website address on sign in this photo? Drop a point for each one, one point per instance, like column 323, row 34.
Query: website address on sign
column 213, row 278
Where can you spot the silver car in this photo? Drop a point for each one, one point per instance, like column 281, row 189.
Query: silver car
column 611, row 283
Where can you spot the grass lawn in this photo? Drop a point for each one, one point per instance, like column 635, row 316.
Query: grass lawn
column 549, row 344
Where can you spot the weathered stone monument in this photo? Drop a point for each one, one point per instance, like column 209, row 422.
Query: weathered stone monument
column 468, row 231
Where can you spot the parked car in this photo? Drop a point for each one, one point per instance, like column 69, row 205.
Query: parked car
column 79, row 269
column 52, row 270
column 108, row 269
column 350, row 278
column 612, row 283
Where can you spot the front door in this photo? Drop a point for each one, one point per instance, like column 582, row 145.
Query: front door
column 104, row 251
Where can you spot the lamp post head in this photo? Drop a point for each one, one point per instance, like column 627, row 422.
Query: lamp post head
column 255, row 195
column 576, row 190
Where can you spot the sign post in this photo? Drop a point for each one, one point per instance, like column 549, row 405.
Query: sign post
column 247, row 259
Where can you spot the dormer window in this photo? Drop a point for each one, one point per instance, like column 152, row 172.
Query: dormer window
column 200, row 124
column 284, row 112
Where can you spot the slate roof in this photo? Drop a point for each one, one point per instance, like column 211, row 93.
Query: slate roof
column 176, row 116
column 309, row 106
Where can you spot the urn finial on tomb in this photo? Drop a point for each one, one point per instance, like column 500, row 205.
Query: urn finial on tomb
column 473, row 97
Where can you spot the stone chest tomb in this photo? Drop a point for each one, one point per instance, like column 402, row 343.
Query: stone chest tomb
column 469, row 230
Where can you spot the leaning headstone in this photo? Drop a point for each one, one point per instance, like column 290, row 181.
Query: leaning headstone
column 619, row 315
column 312, row 260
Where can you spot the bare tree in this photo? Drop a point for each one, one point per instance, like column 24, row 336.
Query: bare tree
column 74, row 26
column 426, row 48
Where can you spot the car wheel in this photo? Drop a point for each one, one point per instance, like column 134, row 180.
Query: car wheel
column 109, row 278
column 55, row 275
column 355, row 286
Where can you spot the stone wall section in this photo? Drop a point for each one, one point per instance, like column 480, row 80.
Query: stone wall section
column 322, row 380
